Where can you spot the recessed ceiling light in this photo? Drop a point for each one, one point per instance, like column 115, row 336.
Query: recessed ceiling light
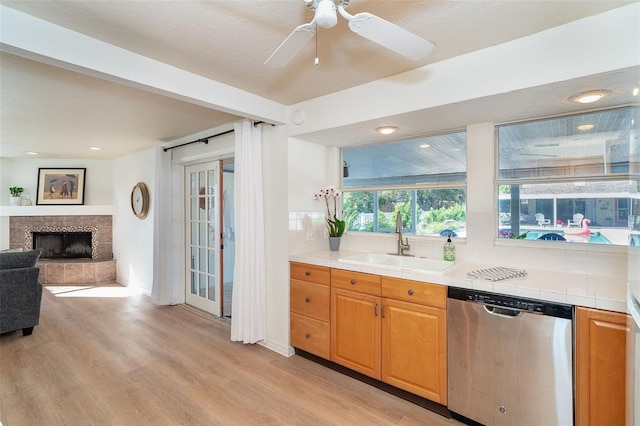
column 95, row 148
column 636, row 90
column 585, row 127
column 386, row 130
column 589, row 97
column 425, row 145
column 33, row 153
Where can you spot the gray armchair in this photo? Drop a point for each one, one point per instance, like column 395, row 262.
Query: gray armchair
column 20, row 291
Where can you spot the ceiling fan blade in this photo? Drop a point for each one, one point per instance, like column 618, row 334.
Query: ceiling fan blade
column 390, row 35
column 292, row 45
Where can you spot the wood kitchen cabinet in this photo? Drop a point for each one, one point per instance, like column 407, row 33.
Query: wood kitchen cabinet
column 414, row 338
column 310, row 308
column 355, row 321
column 600, row 367
column 392, row 330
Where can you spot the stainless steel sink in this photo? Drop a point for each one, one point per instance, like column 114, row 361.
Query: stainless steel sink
column 389, row 261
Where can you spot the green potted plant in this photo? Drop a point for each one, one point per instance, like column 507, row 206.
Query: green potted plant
column 336, row 226
column 16, row 192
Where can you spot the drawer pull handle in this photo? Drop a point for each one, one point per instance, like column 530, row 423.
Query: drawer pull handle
column 375, row 310
column 410, row 292
column 382, row 311
column 307, row 335
column 307, row 273
column 307, row 300
column 352, row 282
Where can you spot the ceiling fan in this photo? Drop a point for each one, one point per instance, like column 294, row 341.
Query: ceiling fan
column 369, row 26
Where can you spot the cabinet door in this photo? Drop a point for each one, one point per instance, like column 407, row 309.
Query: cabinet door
column 600, row 367
column 355, row 331
column 414, row 354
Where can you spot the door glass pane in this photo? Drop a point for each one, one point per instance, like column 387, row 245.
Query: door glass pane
column 194, row 233
column 193, row 184
column 194, row 280
column 203, row 285
column 212, row 261
column 203, row 260
column 203, row 234
column 194, row 254
column 212, row 288
column 194, row 208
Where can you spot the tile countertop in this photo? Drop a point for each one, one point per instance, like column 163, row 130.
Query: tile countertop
column 574, row 289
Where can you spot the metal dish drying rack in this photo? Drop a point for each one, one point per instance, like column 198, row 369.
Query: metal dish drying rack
column 497, row 273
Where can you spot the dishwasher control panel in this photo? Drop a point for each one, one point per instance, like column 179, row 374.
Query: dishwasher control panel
column 512, row 302
column 507, row 302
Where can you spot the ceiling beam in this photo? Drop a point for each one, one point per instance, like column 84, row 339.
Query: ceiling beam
column 42, row 41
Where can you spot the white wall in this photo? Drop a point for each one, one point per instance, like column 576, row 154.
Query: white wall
column 133, row 238
column 311, row 167
column 275, row 178
column 24, row 173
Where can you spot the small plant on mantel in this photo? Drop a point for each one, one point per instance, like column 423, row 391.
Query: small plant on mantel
column 16, row 191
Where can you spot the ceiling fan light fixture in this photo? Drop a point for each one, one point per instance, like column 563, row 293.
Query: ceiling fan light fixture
column 635, row 91
column 589, row 97
column 326, row 16
column 386, row 130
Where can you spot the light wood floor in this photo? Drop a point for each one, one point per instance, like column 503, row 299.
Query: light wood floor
column 124, row 361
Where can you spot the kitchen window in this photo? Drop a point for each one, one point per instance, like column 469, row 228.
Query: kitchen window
column 424, row 178
column 573, row 178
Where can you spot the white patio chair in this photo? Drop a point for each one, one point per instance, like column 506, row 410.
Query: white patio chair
column 541, row 220
column 576, row 221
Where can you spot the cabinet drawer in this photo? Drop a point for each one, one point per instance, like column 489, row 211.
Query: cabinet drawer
column 310, row 273
column 415, row 291
column 311, row 335
column 356, row 281
column 310, row 299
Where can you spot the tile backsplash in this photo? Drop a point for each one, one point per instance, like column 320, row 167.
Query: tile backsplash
column 307, row 232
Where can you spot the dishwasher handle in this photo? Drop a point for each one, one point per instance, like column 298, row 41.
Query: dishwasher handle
column 501, row 312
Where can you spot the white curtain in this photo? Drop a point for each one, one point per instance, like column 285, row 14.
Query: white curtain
column 165, row 289
column 248, row 319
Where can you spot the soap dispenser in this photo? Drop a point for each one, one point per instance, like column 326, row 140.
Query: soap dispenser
column 449, row 250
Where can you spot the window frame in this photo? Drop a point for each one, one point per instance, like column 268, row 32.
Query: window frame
column 629, row 176
column 412, row 187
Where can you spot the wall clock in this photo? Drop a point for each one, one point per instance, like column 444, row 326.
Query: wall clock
column 140, row 200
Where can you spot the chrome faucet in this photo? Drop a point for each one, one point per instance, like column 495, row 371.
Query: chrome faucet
column 402, row 246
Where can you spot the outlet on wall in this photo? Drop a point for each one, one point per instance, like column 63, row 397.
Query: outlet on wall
column 311, row 234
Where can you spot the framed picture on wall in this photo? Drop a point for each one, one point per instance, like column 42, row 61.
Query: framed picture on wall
column 61, row 186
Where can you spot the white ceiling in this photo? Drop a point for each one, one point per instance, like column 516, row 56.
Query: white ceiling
column 61, row 113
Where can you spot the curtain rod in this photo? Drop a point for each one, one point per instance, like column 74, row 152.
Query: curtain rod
column 206, row 140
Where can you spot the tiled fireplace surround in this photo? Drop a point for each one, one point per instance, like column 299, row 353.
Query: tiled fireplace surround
column 102, row 266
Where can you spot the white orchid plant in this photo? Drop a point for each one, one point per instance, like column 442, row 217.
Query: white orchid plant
column 330, row 193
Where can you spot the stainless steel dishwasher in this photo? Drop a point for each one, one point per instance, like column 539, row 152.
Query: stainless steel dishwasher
column 510, row 360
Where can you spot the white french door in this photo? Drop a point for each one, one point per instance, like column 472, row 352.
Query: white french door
column 203, row 242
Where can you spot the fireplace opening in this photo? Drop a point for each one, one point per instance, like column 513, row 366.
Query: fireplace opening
column 63, row 245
